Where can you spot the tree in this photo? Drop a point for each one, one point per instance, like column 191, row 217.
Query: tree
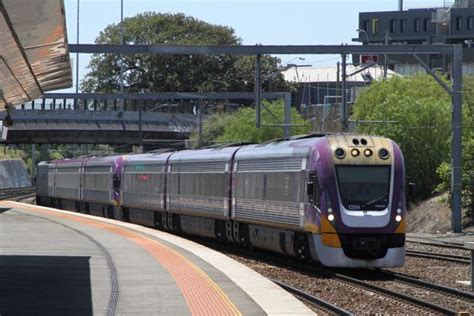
column 422, row 111
column 444, row 170
column 240, row 126
column 174, row 73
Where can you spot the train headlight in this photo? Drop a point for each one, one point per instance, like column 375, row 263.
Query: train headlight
column 331, row 217
column 384, row 154
column 355, row 152
column 398, row 218
column 399, row 211
column 339, row 153
column 368, row 152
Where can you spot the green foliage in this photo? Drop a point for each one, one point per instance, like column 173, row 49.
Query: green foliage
column 213, row 126
column 422, row 110
column 444, row 170
column 240, row 126
column 174, row 73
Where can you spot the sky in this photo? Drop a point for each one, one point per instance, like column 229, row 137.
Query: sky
column 267, row 22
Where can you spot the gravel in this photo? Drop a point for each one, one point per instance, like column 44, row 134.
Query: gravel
column 344, row 295
column 437, row 250
column 437, row 271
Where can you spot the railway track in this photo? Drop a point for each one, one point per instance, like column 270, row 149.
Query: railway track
column 439, row 256
column 6, row 194
column 434, row 242
column 376, row 280
column 411, row 294
column 430, row 285
column 313, row 300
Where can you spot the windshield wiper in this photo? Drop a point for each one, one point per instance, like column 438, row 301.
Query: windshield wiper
column 378, row 199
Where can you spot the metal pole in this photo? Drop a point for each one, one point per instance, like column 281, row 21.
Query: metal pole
column 344, row 94
column 258, row 91
column 122, row 101
column 456, row 166
column 33, row 162
column 200, row 126
column 287, row 126
column 385, row 65
column 472, row 270
column 77, row 54
column 140, row 133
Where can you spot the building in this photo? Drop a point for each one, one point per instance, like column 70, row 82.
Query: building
column 453, row 24
column 322, row 85
column 319, row 93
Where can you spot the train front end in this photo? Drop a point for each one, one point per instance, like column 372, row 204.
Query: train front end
column 362, row 215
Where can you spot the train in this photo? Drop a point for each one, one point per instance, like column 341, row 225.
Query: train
column 335, row 199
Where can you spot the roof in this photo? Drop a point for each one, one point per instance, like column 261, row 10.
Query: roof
column 34, row 56
column 329, row 74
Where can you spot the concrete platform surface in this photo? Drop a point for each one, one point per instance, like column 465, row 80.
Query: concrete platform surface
column 56, row 262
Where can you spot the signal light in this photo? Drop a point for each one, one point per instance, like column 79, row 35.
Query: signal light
column 368, row 152
column 355, row 152
column 339, row 153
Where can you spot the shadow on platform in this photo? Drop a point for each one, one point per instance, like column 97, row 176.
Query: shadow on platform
column 4, row 209
column 45, row 285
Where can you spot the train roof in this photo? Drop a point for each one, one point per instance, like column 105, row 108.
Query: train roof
column 147, row 158
column 281, row 148
column 208, row 154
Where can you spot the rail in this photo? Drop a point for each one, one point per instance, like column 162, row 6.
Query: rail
column 15, row 192
column 445, row 257
column 312, row 299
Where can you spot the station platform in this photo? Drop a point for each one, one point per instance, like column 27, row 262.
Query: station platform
column 58, row 262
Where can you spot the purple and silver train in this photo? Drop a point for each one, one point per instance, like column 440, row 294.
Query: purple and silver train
column 338, row 199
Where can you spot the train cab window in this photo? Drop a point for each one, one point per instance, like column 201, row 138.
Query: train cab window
column 313, row 190
column 364, row 187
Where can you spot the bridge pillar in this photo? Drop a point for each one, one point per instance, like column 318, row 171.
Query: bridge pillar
column 137, row 149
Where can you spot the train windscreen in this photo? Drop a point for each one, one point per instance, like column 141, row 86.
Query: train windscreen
column 364, row 187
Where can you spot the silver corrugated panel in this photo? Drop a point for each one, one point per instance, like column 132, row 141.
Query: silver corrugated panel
column 98, row 196
column 42, row 180
column 198, row 205
column 270, row 212
column 51, row 180
column 139, row 167
column 67, row 193
column 142, row 200
column 270, row 164
column 200, row 167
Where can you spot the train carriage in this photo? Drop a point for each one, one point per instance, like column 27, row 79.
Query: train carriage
column 269, row 182
column 65, row 179
column 338, row 199
column 100, row 189
column 44, row 184
column 143, row 188
column 198, row 189
column 361, row 219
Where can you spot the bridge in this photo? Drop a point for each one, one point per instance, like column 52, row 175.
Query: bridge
column 97, row 127
column 160, row 119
